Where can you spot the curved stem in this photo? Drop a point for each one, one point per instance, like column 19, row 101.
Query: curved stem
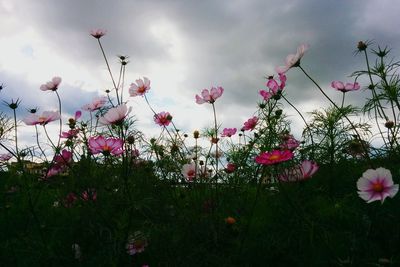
column 38, row 143
column 216, row 139
column 48, row 137
column 16, row 136
column 341, row 112
column 109, row 70
column 59, row 106
column 344, row 93
column 305, row 122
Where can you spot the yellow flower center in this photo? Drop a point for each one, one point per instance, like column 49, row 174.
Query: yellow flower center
column 274, row 157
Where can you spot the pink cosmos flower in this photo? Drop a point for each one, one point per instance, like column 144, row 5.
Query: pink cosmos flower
column 340, row 86
column 97, row 33
column 115, row 115
column 228, row 132
column 140, row 87
column 89, row 194
column 63, row 158
column 273, row 157
column 308, row 168
column 5, row 157
column 266, row 95
column 163, row 118
column 106, row 146
column 209, row 96
column 289, row 142
column 290, row 175
column 274, row 86
column 230, row 168
column 60, row 163
column 73, row 133
column 97, row 103
column 293, row 60
column 52, row 171
column 69, row 200
column 136, row 243
column 189, row 171
column 250, row 124
column 376, row 185
column 51, row 85
column 46, row 117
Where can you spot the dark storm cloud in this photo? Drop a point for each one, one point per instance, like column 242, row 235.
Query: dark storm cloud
column 229, row 43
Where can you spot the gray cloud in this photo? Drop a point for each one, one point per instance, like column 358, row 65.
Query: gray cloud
column 229, row 43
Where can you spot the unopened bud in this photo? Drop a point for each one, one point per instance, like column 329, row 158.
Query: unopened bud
column 389, row 124
column 196, row 134
column 361, row 46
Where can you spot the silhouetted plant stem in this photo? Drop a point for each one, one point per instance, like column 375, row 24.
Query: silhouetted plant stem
column 109, row 70
column 38, row 143
column 16, row 135
column 59, row 106
column 341, row 112
column 305, row 122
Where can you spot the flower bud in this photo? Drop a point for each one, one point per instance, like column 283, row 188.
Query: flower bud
column 130, row 139
column 261, row 105
column 389, row 124
column 196, row 134
column 362, row 46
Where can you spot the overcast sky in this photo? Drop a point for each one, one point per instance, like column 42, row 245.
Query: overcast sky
column 184, row 47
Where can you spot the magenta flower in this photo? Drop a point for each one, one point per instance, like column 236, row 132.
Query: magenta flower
column 51, row 85
column 97, row 103
column 293, row 60
column 115, row 115
column 89, row 194
column 230, row 168
column 308, row 168
column 97, row 33
column 289, row 142
column 69, row 200
column 301, row 172
column 46, row 117
column 266, row 95
column 250, row 124
column 140, row 87
column 274, row 86
column 106, row 146
column 228, row 132
column 136, row 243
column 73, row 133
column 60, row 163
column 52, row 171
column 189, row 171
column 273, row 157
column 340, row 86
column 64, row 158
column 209, row 96
column 163, row 118
column 376, row 185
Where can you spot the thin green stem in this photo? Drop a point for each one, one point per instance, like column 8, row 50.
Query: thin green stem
column 109, row 70
column 305, row 122
column 16, row 135
column 340, row 110
column 59, row 106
